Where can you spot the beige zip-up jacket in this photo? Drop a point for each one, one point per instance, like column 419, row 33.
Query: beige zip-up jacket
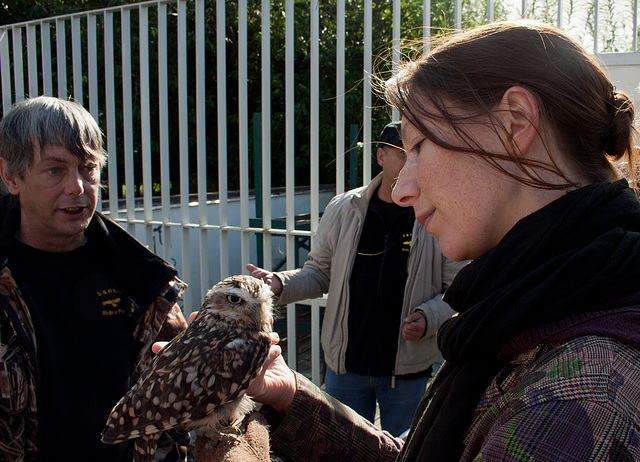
column 328, row 270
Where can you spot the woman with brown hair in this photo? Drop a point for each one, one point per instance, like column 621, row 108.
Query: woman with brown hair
column 516, row 142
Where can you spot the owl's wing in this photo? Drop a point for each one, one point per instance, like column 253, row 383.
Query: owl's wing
column 208, row 366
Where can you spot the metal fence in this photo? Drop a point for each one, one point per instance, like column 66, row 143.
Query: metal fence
column 141, row 70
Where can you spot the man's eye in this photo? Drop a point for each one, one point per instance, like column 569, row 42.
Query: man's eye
column 234, row 299
column 54, row 170
column 91, row 167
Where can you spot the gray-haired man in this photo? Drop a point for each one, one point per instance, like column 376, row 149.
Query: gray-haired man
column 81, row 301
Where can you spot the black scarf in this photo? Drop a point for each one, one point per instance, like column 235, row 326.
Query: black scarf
column 570, row 257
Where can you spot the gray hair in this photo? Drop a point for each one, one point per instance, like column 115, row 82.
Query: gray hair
column 48, row 121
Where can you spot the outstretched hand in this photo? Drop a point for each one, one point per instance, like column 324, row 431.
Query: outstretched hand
column 274, row 281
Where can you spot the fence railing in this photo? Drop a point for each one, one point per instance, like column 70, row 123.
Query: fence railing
column 201, row 124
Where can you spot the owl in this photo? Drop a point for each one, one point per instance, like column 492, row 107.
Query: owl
column 198, row 381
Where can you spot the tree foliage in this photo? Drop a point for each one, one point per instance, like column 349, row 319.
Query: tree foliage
column 441, row 20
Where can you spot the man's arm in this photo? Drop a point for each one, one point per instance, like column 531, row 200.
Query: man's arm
column 312, row 280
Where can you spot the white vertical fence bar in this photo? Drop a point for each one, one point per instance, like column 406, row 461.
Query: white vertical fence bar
column 18, row 76
column 340, row 96
column 45, row 46
column 395, row 56
column 76, row 53
column 634, row 41
column 201, row 148
column 5, row 71
column 426, row 25
column 366, row 89
column 92, row 77
column 110, row 107
column 127, row 118
column 596, row 24
column 243, row 132
column 490, row 10
column 92, row 65
column 315, row 343
column 61, row 57
column 314, row 142
column 184, row 151
column 32, row 60
column 457, row 15
column 314, row 112
column 289, row 134
column 559, row 24
column 265, row 41
column 145, row 122
column 290, row 171
column 314, row 162
column 223, row 209
column 163, row 131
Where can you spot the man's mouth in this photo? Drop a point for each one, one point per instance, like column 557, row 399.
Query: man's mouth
column 73, row 210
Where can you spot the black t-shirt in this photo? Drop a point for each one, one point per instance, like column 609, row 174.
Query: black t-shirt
column 376, row 285
column 83, row 337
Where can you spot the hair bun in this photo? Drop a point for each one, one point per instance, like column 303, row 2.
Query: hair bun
column 621, row 115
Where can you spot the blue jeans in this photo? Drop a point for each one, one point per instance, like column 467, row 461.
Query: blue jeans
column 360, row 393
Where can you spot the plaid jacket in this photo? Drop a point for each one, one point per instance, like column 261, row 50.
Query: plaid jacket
column 161, row 320
column 574, row 401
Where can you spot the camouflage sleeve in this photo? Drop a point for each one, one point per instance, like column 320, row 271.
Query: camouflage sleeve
column 319, row 427
column 163, row 321
column 173, row 324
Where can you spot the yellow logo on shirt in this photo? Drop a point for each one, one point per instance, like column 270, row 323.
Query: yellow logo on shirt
column 406, row 242
column 110, row 299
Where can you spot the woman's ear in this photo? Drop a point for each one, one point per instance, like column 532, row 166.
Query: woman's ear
column 520, row 114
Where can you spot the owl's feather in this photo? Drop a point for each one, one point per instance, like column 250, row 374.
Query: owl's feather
column 198, row 381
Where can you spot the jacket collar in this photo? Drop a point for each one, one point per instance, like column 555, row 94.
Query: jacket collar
column 362, row 196
column 140, row 272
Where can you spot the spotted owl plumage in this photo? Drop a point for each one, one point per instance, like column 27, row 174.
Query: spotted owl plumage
column 198, row 381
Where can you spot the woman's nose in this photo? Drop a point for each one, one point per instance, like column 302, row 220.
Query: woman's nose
column 405, row 190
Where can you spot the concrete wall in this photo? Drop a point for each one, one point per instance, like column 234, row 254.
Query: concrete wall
column 624, row 71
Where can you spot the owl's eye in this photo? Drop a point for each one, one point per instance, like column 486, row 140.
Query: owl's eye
column 234, row 299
